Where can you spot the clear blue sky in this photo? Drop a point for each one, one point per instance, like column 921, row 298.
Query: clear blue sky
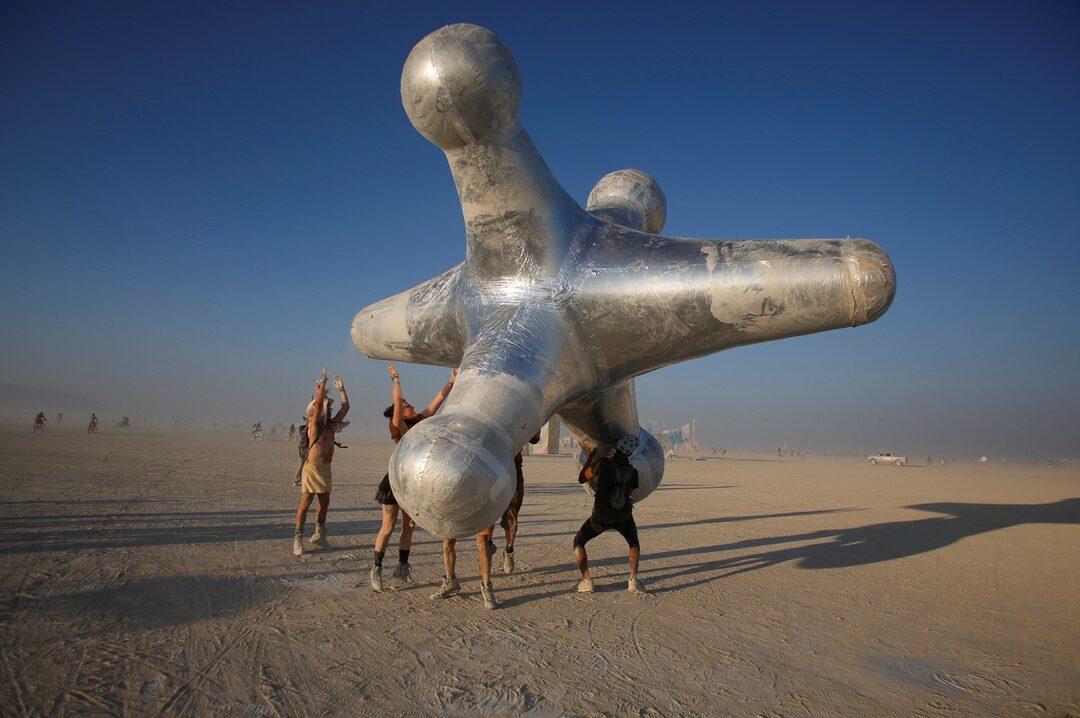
column 195, row 198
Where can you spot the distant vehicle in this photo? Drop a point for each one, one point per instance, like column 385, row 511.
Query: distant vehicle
column 886, row 458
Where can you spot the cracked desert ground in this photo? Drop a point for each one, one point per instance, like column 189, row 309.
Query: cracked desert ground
column 151, row 574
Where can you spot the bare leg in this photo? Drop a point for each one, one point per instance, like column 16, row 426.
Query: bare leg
column 302, row 509
column 511, row 533
column 389, row 518
column 449, row 555
column 324, row 504
column 583, row 562
column 407, row 526
column 483, row 540
column 635, row 554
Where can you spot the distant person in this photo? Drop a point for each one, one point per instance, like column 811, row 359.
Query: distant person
column 91, row 428
column 292, row 432
column 39, row 421
column 780, row 453
column 509, row 521
column 59, row 417
column 400, row 416
column 256, row 431
column 613, row 508
column 316, row 478
column 929, row 460
column 943, row 461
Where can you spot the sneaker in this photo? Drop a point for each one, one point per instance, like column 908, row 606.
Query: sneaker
column 508, row 562
column 488, row 594
column 449, row 587
column 635, row 586
column 298, row 546
column 319, row 537
column 403, row 572
column 376, row 578
column 585, row 586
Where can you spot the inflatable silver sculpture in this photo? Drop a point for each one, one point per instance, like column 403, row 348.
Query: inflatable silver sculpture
column 555, row 308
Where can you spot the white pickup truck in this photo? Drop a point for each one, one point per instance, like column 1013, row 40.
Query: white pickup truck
column 886, row 458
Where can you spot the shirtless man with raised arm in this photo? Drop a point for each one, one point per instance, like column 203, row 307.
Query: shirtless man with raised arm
column 401, row 416
column 316, row 478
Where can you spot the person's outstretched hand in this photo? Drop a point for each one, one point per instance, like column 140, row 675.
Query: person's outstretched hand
column 393, row 372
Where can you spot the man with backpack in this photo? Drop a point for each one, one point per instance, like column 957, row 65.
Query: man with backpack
column 613, row 478
column 315, row 474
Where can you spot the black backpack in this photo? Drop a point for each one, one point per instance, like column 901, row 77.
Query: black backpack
column 304, row 446
column 621, row 485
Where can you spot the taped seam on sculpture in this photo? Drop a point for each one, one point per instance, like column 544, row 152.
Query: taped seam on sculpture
column 852, row 267
column 509, row 383
column 487, row 421
column 586, row 259
column 493, row 463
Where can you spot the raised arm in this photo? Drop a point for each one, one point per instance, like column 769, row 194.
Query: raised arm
column 315, row 413
column 340, row 386
column 441, row 396
column 588, row 471
column 397, row 421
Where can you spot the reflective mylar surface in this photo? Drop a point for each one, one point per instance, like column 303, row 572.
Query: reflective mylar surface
column 556, row 308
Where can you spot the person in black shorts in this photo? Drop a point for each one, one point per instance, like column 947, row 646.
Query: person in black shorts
column 400, row 416
column 615, row 478
column 509, row 521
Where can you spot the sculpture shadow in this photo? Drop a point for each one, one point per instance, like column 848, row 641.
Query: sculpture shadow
column 873, row 543
column 835, row 548
column 573, row 523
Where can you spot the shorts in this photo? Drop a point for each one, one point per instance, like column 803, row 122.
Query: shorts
column 384, row 494
column 316, row 478
column 593, row 528
column 510, row 516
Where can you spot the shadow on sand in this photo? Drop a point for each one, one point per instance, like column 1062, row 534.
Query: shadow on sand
column 834, row 548
column 39, row 534
column 147, row 603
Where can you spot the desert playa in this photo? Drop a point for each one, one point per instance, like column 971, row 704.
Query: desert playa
column 148, row 574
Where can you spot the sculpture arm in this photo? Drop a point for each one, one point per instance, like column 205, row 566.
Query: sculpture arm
column 421, row 325
column 702, row 296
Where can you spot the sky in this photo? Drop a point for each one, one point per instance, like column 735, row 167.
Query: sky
column 196, row 198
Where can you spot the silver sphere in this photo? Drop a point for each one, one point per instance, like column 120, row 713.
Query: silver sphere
column 461, row 85
column 630, row 198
